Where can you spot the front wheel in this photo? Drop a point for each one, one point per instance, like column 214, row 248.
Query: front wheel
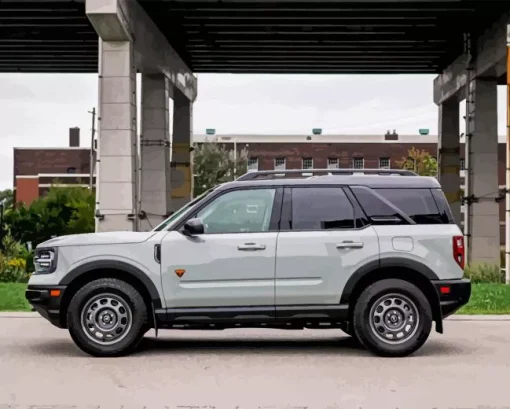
column 392, row 318
column 107, row 317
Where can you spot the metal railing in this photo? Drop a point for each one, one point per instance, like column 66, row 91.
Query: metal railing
column 306, row 173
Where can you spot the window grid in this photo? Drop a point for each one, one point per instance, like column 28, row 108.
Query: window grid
column 253, row 164
column 384, row 163
column 279, row 164
column 358, row 163
column 332, row 163
column 307, row 163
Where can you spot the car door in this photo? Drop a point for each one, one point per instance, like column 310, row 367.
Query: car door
column 323, row 241
column 233, row 263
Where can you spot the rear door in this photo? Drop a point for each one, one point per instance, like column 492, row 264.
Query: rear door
column 322, row 242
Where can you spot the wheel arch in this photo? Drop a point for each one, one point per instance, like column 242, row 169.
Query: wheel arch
column 87, row 272
column 408, row 270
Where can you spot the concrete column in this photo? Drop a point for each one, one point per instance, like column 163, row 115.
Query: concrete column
column 449, row 155
column 155, row 151
column 182, row 162
column 116, row 167
column 483, row 240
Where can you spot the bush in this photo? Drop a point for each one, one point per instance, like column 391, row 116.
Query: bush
column 16, row 262
column 484, row 273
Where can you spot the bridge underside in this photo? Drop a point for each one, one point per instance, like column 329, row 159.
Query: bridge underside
column 257, row 36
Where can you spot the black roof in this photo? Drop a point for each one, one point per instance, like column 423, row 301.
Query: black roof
column 416, row 182
column 258, row 36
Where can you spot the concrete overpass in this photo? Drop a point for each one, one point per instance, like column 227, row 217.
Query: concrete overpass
column 463, row 41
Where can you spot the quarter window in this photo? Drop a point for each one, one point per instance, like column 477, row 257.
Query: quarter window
column 239, row 211
column 323, row 208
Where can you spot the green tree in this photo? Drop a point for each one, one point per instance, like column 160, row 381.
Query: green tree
column 8, row 196
column 214, row 164
column 64, row 210
column 419, row 161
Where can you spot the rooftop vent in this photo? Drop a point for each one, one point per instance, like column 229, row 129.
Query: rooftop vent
column 393, row 136
column 317, row 131
column 424, row 131
column 210, row 131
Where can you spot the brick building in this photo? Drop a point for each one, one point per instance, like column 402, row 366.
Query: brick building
column 35, row 169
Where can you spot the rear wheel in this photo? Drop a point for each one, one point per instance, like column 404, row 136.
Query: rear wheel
column 392, row 318
column 107, row 317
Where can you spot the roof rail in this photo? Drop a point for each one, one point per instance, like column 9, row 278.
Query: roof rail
column 306, row 173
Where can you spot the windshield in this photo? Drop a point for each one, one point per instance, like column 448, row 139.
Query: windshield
column 176, row 215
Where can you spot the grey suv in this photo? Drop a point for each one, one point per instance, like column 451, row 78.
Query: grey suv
column 376, row 254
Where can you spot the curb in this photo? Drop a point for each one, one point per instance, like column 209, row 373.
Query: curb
column 505, row 317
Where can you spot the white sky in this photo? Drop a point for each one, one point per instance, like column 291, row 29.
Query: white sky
column 37, row 110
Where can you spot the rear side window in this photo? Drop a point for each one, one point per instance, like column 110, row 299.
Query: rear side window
column 321, row 208
column 419, row 205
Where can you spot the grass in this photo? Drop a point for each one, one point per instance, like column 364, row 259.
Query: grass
column 485, row 299
column 12, row 297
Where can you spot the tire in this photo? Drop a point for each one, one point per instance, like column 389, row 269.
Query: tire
column 380, row 322
column 347, row 329
column 110, row 307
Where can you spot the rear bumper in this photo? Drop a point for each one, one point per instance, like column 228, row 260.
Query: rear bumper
column 46, row 304
column 453, row 294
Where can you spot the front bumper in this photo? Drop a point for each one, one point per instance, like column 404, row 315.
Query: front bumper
column 46, row 302
column 453, row 294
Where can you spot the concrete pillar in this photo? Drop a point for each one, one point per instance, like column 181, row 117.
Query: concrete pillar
column 483, row 240
column 155, row 151
column 449, row 155
column 182, row 163
column 116, row 167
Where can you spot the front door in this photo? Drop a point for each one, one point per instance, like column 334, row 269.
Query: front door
column 233, row 263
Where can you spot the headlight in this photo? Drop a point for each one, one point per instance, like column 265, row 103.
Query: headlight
column 45, row 260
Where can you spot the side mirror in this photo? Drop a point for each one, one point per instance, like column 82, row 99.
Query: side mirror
column 193, row 227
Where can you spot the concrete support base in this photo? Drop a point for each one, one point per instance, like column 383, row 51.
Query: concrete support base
column 116, row 167
column 182, row 163
column 155, row 152
column 449, row 155
column 482, row 165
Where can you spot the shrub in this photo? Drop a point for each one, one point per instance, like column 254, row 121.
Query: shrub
column 484, row 273
column 13, row 270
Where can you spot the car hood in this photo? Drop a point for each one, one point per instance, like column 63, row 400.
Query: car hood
column 120, row 237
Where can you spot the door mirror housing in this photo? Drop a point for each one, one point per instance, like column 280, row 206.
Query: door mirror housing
column 193, row 227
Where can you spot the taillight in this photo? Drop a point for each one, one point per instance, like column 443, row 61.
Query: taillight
column 458, row 250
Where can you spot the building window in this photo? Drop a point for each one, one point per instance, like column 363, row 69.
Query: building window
column 384, row 163
column 358, row 163
column 71, row 170
column 462, row 164
column 307, row 163
column 279, row 164
column 332, row 163
column 253, row 164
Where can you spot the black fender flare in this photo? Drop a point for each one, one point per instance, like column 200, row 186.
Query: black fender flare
column 115, row 265
column 389, row 262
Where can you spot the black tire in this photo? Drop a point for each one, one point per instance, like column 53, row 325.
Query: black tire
column 346, row 327
column 117, row 294
column 367, row 321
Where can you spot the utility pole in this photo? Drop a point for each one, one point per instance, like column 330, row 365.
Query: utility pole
column 507, row 213
column 92, row 150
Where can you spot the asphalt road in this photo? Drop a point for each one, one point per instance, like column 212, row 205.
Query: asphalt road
column 468, row 367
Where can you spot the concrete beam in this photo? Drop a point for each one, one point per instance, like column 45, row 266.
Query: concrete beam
column 125, row 20
column 490, row 62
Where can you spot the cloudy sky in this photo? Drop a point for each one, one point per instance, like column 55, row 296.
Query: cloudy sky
column 37, row 110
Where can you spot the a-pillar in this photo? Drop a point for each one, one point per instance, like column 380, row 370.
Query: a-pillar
column 482, row 165
column 182, row 162
column 116, row 167
column 155, row 152
column 449, row 155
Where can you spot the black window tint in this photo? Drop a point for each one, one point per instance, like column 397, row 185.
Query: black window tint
column 443, row 206
column 321, row 208
column 418, row 204
column 376, row 209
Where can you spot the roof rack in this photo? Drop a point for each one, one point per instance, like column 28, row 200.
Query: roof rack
column 307, row 173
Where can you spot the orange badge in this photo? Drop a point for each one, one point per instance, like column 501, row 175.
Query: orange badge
column 180, row 273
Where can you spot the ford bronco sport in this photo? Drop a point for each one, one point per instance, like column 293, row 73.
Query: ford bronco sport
column 377, row 255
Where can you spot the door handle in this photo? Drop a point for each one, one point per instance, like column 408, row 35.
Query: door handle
column 350, row 245
column 251, row 247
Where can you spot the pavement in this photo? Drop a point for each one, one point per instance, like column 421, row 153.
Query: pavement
column 467, row 367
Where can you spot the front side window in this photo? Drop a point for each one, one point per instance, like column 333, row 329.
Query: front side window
column 321, row 208
column 239, row 211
